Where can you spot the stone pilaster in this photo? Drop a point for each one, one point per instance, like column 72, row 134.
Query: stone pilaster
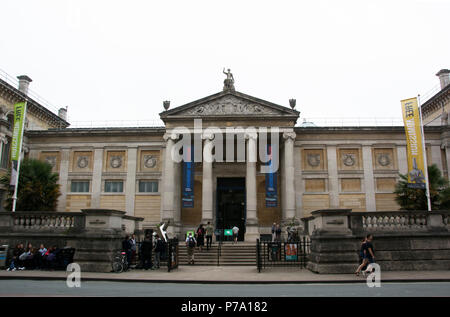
column 369, row 181
column 130, row 190
column 333, row 180
column 97, row 178
column 63, row 177
column 252, row 229
column 207, row 179
column 288, row 173
column 402, row 159
column 436, row 157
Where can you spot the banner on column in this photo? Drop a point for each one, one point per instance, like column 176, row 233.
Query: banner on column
column 16, row 144
column 188, row 178
column 271, row 183
column 413, row 130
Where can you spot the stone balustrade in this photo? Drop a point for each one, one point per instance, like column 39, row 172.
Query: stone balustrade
column 394, row 221
column 49, row 220
column 403, row 240
column 96, row 234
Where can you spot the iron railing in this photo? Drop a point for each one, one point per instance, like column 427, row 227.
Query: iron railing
column 173, row 252
column 282, row 253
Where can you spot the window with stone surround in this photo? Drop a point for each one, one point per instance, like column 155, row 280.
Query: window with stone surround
column 79, row 186
column 147, row 186
column 113, row 186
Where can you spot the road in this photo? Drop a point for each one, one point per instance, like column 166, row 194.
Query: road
column 106, row 288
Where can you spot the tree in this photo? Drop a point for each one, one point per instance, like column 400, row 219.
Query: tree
column 415, row 199
column 38, row 188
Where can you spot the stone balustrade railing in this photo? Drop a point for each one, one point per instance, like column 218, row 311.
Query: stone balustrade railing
column 50, row 220
column 393, row 221
column 382, row 221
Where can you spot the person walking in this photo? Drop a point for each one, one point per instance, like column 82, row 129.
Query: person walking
column 368, row 254
column 200, row 237
column 146, row 252
column 274, row 228
column 126, row 247
column 159, row 247
column 209, row 233
column 235, row 230
column 133, row 248
column 190, row 244
column 278, row 233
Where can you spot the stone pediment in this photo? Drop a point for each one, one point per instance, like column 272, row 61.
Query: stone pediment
column 229, row 104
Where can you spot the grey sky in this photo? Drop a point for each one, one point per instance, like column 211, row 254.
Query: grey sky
column 118, row 60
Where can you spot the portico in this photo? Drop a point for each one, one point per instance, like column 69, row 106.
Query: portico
column 233, row 130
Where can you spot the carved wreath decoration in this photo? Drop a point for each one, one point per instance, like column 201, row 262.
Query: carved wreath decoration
column 149, row 161
column 349, row 159
column 384, row 159
column 51, row 160
column 82, row 162
column 313, row 159
column 116, row 161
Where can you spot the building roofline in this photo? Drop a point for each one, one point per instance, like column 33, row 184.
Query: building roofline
column 34, row 105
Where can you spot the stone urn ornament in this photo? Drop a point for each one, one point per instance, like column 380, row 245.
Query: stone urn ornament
column 292, row 103
column 166, row 104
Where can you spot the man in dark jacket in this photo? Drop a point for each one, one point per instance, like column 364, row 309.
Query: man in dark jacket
column 146, row 252
column 126, row 247
column 159, row 248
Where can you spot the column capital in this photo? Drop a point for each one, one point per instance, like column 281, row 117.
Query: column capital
column 289, row 135
column 251, row 135
column 208, row 136
column 172, row 136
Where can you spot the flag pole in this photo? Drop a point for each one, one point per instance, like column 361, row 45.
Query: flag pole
column 424, row 151
column 18, row 161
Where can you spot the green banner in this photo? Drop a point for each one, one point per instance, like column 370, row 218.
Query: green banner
column 228, row 232
column 19, row 116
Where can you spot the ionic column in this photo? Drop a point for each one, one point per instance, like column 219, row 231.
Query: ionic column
column 207, row 178
column 252, row 229
column 168, row 210
column 288, row 211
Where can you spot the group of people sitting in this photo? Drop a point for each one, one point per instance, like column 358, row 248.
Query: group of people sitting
column 33, row 258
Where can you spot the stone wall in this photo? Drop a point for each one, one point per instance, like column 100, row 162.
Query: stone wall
column 402, row 240
column 96, row 234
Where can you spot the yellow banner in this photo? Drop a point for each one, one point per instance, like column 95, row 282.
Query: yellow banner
column 413, row 130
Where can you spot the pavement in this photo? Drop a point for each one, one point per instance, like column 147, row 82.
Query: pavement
column 230, row 274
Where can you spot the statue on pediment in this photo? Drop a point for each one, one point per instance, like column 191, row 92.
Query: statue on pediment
column 228, row 83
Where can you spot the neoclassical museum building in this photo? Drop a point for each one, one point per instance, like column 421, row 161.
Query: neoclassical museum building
column 131, row 169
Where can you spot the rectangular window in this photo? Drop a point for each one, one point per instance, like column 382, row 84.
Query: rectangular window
column 79, row 187
column 6, row 149
column 113, row 186
column 148, row 186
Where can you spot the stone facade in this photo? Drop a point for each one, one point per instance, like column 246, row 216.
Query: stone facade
column 131, row 169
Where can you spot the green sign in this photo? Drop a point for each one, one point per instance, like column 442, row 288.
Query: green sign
column 19, row 115
column 188, row 232
column 228, row 232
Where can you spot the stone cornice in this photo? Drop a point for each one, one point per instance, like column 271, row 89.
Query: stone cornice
column 14, row 95
column 436, row 102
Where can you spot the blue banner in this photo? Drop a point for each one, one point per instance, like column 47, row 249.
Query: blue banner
column 188, row 179
column 271, row 183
